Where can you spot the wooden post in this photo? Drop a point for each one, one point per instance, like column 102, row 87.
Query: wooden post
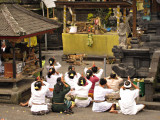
column 118, row 16
column 45, row 33
column 29, row 42
column 14, row 61
column 42, row 7
column 134, row 18
column 46, row 42
column 47, row 13
column 124, row 15
column 73, row 16
column 64, row 19
column 40, row 56
column 105, row 67
column 53, row 12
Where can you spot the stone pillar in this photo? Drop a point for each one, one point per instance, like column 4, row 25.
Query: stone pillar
column 148, row 89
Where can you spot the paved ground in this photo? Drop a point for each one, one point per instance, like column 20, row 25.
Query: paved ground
column 80, row 69
column 16, row 112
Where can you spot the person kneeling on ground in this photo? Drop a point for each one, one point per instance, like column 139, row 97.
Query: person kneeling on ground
column 32, row 87
column 71, row 79
column 114, row 81
column 51, row 78
column 38, row 98
column 93, row 79
column 81, row 92
column 59, row 92
column 127, row 103
column 52, row 63
column 97, row 71
column 100, row 105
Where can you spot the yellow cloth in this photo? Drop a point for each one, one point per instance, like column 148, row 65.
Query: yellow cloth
column 33, row 41
column 102, row 44
column 140, row 6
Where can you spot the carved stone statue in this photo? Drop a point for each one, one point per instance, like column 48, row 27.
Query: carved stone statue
column 122, row 35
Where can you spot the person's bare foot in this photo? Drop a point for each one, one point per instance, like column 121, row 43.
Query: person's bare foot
column 22, row 104
column 113, row 111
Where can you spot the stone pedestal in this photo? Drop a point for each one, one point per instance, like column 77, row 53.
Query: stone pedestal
column 149, row 89
column 135, row 43
column 15, row 94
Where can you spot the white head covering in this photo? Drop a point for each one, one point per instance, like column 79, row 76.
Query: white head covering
column 127, row 86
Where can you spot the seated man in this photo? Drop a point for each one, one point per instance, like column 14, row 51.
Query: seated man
column 113, row 81
column 127, row 103
column 100, row 105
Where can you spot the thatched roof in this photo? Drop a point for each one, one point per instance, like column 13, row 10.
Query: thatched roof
column 18, row 21
column 10, row 1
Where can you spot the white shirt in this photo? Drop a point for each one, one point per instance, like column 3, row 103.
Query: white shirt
column 99, row 95
column 52, row 81
column 55, row 67
column 38, row 97
column 73, row 81
column 127, row 102
column 82, row 91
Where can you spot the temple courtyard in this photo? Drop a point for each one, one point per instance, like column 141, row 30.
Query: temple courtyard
column 16, row 112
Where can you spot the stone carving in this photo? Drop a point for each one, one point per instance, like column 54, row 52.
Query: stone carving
column 122, row 35
column 124, row 71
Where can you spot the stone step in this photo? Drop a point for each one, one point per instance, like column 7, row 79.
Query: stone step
column 156, row 97
column 16, row 95
column 151, row 105
column 53, row 48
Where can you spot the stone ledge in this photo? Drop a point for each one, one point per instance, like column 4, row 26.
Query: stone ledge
column 151, row 105
column 149, row 80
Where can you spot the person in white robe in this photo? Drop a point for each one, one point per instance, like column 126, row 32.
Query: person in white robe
column 72, row 78
column 81, row 91
column 32, row 87
column 51, row 78
column 127, row 103
column 71, row 67
column 52, row 63
column 99, row 103
column 37, row 100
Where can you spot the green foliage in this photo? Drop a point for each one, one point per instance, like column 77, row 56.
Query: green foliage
column 104, row 14
column 90, row 40
column 90, row 16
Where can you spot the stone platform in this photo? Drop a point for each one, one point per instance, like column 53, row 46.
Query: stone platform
column 14, row 94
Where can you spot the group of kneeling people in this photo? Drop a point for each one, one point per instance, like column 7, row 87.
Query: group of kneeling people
column 75, row 89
